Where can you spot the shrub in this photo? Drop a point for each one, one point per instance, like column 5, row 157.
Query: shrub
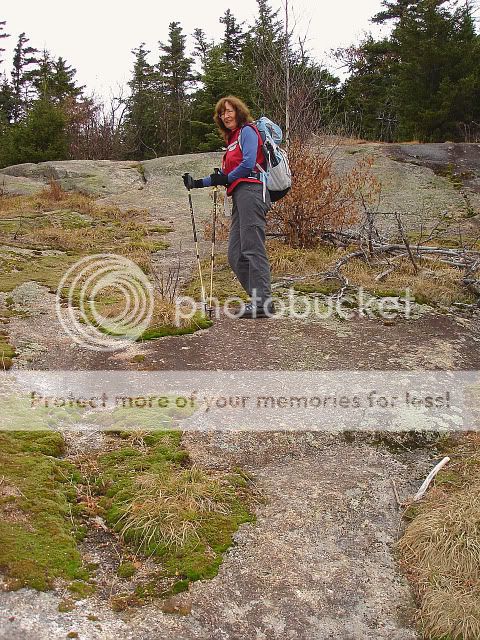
column 320, row 199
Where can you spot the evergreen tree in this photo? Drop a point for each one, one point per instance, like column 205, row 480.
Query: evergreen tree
column 21, row 75
column 176, row 77
column 268, row 27
column 143, row 117
column 369, row 105
column 63, row 84
column 21, row 81
column 174, row 65
column 221, row 72
column 3, row 35
column 41, row 136
column 202, row 46
column 6, row 93
column 217, row 81
column 7, row 102
column 262, row 74
column 54, row 80
column 423, row 81
column 396, row 9
column 436, row 78
column 233, row 38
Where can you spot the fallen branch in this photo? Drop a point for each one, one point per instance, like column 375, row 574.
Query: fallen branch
column 473, row 285
column 405, row 242
column 381, row 276
column 426, row 483
column 326, row 275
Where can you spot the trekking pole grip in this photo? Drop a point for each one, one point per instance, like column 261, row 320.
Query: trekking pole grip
column 185, row 176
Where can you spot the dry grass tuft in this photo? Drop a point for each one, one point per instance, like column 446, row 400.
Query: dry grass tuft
column 287, row 260
column 435, row 283
column 440, row 549
column 163, row 311
column 169, row 509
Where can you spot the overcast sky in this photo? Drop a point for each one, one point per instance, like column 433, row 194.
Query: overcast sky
column 96, row 36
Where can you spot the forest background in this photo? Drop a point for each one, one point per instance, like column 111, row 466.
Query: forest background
column 420, row 82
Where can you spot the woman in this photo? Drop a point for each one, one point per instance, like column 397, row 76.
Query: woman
column 246, row 247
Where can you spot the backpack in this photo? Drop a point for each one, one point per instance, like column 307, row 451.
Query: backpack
column 277, row 176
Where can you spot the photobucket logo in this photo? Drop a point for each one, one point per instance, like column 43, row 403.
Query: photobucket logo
column 295, row 305
column 90, row 281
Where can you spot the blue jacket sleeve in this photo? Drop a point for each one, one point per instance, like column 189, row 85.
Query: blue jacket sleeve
column 249, row 142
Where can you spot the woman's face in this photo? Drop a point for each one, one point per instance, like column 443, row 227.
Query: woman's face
column 229, row 116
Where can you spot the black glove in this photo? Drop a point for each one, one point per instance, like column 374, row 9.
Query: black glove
column 190, row 183
column 219, row 179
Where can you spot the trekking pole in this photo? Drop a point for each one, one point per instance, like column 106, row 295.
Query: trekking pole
column 204, row 302
column 212, row 260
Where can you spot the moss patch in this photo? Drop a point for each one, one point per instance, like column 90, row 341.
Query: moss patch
column 42, row 236
column 199, row 321
column 160, row 228
column 80, row 589
column 46, row 270
column 26, row 416
column 37, row 504
column 164, row 508
column 144, row 488
column 126, row 570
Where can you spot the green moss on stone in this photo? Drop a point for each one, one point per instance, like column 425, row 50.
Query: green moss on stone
column 36, row 528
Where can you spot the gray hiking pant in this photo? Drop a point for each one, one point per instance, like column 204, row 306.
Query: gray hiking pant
column 246, row 246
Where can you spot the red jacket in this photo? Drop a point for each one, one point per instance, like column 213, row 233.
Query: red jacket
column 233, row 157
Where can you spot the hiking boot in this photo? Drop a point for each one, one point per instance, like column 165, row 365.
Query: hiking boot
column 262, row 311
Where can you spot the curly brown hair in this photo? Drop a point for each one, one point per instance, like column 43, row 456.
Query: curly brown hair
column 241, row 109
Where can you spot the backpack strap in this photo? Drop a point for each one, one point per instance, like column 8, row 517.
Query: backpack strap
column 254, row 127
column 258, row 175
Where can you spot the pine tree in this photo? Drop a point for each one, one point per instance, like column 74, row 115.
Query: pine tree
column 54, row 80
column 396, row 9
column 233, row 38
column 3, row 35
column 437, row 50
column 423, row 80
column 221, row 75
column 262, row 72
column 202, row 46
column 143, row 118
column 63, row 82
column 41, row 136
column 217, row 81
column 7, row 103
column 6, row 92
column 22, row 85
column 268, row 28
column 176, row 77
column 174, row 65
column 369, row 105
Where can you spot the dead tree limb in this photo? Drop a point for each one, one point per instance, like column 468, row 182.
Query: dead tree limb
column 405, row 242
